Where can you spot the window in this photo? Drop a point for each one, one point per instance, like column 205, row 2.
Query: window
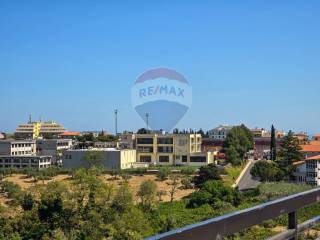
column 198, row 159
column 145, row 158
column 184, row 158
column 145, row 140
column 163, row 158
column 165, row 140
column 165, row 149
column 145, row 149
column 16, row 160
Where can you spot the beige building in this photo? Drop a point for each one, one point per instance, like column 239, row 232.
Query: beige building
column 127, row 140
column 260, row 133
column 18, row 147
column 171, row 149
column 34, row 130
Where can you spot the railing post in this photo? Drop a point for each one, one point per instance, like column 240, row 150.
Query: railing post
column 293, row 224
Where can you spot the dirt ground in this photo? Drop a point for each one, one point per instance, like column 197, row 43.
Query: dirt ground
column 134, row 183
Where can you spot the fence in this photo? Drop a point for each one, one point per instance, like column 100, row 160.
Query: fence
column 217, row 228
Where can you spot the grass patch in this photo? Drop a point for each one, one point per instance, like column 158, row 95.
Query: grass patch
column 232, row 173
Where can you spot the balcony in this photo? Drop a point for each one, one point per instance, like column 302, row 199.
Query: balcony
column 217, row 228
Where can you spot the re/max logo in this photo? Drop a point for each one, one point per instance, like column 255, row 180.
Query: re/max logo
column 153, row 90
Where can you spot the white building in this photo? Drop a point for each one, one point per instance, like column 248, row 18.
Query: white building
column 23, row 162
column 18, row 147
column 110, row 158
column 260, row 133
column 54, row 148
column 220, row 132
column 113, row 144
column 308, row 171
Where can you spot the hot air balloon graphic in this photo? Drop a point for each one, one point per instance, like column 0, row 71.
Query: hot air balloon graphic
column 161, row 97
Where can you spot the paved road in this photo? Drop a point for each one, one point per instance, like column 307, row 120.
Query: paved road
column 247, row 182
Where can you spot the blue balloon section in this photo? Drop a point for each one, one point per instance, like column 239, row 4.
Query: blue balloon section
column 163, row 115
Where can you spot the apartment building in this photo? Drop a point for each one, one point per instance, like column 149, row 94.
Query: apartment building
column 316, row 137
column 308, row 171
column 171, row 149
column 302, row 137
column 25, row 162
column 127, row 140
column 110, row 158
column 2, row 136
column 113, row 144
column 54, row 148
column 34, row 130
column 220, row 132
column 260, row 133
column 18, row 147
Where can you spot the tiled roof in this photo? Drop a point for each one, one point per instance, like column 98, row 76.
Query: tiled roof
column 310, row 148
column 70, row 134
column 313, row 158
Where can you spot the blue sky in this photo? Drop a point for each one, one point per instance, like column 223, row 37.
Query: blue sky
column 252, row 62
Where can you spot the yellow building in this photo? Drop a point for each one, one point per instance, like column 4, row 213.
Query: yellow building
column 171, row 149
column 34, row 130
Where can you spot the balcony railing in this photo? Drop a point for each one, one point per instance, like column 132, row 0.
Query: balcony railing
column 217, row 228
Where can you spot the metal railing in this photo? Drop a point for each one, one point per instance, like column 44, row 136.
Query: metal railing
column 219, row 227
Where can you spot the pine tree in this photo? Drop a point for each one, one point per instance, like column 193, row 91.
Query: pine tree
column 289, row 153
column 273, row 144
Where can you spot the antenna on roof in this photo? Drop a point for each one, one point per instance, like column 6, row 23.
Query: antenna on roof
column 30, row 119
column 116, row 121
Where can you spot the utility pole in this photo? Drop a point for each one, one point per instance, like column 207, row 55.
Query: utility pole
column 116, row 120
column 147, row 118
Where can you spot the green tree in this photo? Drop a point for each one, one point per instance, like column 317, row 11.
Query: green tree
column 267, row 171
column 174, row 185
column 27, row 202
column 160, row 194
column 131, row 225
column 123, row 199
column 273, row 144
column 143, row 131
column 147, row 193
column 238, row 142
column 289, row 153
column 215, row 193
column 163, row 173
column 206, row 173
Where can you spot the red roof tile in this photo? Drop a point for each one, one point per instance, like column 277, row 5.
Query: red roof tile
column 70, row 134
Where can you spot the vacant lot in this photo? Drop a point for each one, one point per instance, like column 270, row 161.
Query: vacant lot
column 27, row 184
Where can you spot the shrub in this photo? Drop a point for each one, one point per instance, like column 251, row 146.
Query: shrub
column 163, row 174
column 206, row 173
column 214, row 192
column 267, row 171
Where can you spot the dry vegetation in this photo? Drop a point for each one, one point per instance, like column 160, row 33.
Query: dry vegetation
column 28, row 184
